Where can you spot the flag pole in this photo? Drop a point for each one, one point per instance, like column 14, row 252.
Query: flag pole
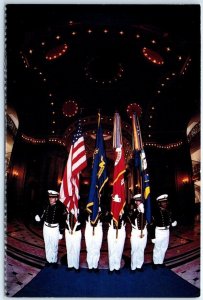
column 99, row 176
column 116, row 143
column 141, row 235
column 71, row 222
column 140, row 175
column 116, row 231
column 134, row 111
column 136, row 148
column 99, row 119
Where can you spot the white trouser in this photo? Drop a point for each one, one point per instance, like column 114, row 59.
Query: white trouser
column 73, row 246
column 115, row 247
column 93, row 244
column 138, row 245
column 160, row 245
column 51, row 240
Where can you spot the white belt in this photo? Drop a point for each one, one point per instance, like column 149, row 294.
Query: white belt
column 162, row 228
column 51, row 225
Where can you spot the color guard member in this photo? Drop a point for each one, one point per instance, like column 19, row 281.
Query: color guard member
column 138, row 237
column 162, row 221
column 73, row 236
column 116, row 239
column 54, row 217
column 93, row 240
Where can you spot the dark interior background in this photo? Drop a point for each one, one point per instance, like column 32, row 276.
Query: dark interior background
column 104, row 69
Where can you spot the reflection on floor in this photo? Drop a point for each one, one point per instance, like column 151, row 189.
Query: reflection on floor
column 25, row 254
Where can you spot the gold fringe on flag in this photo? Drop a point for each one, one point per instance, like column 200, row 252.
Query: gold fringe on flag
column 137, row 138
column 117, row 135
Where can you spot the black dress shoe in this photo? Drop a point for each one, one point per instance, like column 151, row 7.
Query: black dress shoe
column 69, row 269
column 110, row 272
column 162, row 265
column 55, row 266
column 96, row 270
column 48, row 264
column 140, row 269
column 89, row 270
column 117, row 271
column 77, row 270
column 154, row 266
column 132, row 271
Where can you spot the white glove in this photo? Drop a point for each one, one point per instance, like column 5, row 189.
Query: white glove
column 37, row 218
column 141, row 208
column 60, row 236
column 153, row 241
column 174, row 223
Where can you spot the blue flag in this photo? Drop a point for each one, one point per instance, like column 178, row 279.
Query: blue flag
column 140, row 164
column 147, row 200
column 98, row 177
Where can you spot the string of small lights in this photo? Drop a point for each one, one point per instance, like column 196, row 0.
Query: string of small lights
column 58, row 45
column 117, row 74
column 186, row 65
column 164, row 146
column 70, row 108
column 56, row 52
column 166, row 80
column 153, row 56
column 33, row 140
column 93, row 132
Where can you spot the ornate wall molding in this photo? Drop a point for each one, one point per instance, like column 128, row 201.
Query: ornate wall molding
column 194, row 131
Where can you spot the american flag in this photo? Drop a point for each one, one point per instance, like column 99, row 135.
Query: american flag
column 77, row 161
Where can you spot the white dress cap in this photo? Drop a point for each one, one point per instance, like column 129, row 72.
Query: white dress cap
column 163, row 197
column 53, row 193
column 137, row 197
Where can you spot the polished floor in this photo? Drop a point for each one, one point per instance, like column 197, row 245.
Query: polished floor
column 25, row 255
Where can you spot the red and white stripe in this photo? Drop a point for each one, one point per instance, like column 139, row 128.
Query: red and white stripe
column 77, row 161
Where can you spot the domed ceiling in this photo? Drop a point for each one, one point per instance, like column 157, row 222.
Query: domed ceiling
column 66, row 62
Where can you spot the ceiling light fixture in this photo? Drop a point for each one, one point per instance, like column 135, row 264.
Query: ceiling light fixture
column 70, row 108
column 103, row 71
column 153, row 56
column 56, row 52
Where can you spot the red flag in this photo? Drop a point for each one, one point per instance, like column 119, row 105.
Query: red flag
column 118, row 197
column 77, row 161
